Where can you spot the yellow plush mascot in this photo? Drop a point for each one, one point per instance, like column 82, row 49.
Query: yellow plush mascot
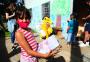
column 46, row 28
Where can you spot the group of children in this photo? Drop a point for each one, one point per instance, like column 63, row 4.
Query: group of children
column 24, row 35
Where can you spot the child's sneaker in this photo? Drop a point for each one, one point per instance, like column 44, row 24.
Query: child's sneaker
column 87, row 43
column 81, row 44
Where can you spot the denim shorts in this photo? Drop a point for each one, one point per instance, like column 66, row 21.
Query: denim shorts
column 10, row 25
column 87, row 27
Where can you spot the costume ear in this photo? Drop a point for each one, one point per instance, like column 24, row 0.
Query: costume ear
column 45, row 18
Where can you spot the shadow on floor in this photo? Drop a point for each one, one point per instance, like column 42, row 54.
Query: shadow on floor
column 76, row 55
column 14, row 52
column 3, row 49
column 59, row 59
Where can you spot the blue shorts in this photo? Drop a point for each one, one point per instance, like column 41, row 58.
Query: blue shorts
column 87, row 27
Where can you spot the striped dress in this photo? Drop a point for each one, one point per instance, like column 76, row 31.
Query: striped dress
column 32, row 43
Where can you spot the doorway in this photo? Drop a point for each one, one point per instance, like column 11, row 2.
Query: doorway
column 80, row 7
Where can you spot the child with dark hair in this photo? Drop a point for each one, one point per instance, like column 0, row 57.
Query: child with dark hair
column 25, row 38
column 10, row 16
column 72, row 29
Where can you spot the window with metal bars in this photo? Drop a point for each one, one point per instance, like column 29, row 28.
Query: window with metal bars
column 46, row 9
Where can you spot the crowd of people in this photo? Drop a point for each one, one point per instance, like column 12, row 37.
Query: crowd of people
column 18, row 19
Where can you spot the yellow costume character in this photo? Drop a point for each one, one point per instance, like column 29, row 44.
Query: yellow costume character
column 46, row 28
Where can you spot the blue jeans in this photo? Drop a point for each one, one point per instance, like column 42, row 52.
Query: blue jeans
column 12, row 37
column 10, row 26
column 71, row 38
column 87, row 27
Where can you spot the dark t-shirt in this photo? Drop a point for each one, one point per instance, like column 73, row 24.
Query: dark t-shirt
column 10, row 13
column 88, row 20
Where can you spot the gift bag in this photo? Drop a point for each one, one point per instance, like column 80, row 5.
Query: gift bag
column 47, row 45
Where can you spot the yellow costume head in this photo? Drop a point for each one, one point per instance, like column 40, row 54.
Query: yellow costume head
column 47, row 20
column 46, row 27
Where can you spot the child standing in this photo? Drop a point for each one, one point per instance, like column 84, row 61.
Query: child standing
column 25, row 38
column 72, row 29
column 10, row 16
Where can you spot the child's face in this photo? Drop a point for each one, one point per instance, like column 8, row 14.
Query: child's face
column 48, row 24
column 71, row 17
column 23, row 24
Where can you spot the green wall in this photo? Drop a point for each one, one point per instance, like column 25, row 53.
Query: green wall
column 61, row 7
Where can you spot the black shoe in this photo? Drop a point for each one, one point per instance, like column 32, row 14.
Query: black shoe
column 89, row 42
column 13, row 47
column 84, row 42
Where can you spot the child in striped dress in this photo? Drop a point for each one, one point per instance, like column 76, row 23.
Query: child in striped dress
column 25, row 38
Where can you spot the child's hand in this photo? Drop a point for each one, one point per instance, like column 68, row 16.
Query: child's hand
column 54, row 52
column 57, row 50
column 47, row 55
column 51, row 53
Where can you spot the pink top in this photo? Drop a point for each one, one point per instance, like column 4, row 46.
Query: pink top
column 31, row 41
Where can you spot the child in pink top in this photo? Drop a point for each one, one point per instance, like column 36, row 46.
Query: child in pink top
column 25, row 38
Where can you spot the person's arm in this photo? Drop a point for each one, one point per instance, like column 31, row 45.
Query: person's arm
column 86, row 17
column 23, row 43
column 68, row 26
column 7, row 15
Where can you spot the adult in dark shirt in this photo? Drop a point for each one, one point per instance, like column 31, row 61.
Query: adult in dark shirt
column 10, row 16
column 87, row 24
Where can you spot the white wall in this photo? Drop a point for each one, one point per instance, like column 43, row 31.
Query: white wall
column 33, row 3
column 36, row 18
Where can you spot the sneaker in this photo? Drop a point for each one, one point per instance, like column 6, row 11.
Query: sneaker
column 15, row 46
column 81, row 44
column 87, row 43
